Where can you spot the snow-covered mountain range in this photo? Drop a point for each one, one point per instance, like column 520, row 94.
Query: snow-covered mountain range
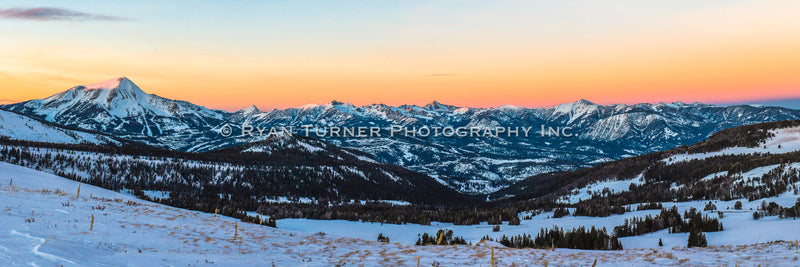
column 475, row 165
column 727, row 179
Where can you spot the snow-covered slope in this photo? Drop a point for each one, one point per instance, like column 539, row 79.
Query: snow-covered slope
column 46, row 224
column 18, row 127
column 785, row 140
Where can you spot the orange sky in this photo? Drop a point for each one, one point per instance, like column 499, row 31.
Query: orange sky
column 487, row 56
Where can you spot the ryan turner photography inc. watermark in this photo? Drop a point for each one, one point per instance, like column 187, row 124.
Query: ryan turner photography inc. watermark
column 395, row 130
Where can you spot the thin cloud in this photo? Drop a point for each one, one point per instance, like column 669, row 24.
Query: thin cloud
column 7, row 101
column 441, row 75
column 52, row 13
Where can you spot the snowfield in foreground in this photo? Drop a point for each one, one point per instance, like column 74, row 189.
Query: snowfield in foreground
column 44, row 223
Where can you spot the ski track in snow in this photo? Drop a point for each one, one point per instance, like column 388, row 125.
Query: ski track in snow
column 39, row 243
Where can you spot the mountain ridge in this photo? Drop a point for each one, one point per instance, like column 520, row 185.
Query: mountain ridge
column 474, row 165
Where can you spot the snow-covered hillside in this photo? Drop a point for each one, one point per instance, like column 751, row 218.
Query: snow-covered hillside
column 785, row 140
column 18, row 127
column 46, row 224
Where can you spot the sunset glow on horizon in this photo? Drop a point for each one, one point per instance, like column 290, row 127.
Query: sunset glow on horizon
column 464, row 53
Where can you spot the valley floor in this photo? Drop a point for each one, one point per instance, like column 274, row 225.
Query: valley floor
column 740, row 228
column 44, row 223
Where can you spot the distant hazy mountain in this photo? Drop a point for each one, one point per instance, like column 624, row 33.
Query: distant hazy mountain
column 469, row 164
column 792, row 103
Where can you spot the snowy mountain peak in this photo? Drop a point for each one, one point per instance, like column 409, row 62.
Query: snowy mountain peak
column 576, row 110
column 581, row 103
column 119, row 96
column 117, row 87
column 435, row 105
column 510, row 107
column 313, row 106
column 108, row 84
column 249, row 110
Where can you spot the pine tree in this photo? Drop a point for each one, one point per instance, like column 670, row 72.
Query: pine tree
column 697, row 239
column 702, row 239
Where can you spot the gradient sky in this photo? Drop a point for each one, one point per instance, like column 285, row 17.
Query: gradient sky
column 277, row 54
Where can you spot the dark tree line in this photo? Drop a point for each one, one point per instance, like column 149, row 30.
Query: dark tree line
column 560, row 212
column 649, row 206
column 668, row 219
column 774, row 209
column 598, row 208
column 577, row 238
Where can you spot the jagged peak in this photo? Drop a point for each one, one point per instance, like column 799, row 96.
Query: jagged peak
column 435, row 105
column 510, row 107
column 122, row 85
column 684, row 104
column 107, row 84
column 249, row 110
column 332, row 103
column 699, row 104
column 309, row 106
column 572, row 105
